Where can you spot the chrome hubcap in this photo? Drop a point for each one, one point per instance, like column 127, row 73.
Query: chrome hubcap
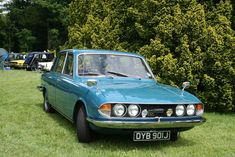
column 45, row 104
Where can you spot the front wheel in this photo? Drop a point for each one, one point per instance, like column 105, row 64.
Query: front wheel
column 46, row 106
column 84, row 133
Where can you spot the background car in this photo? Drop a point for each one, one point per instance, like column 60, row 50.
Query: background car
column 3, row 57
column 16, row 60
column 116, row 92
column 3, row 54
column 39, row 60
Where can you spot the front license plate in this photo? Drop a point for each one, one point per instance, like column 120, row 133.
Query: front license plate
column 151, row 135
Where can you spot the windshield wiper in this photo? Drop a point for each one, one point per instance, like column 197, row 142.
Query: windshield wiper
column 117, row 73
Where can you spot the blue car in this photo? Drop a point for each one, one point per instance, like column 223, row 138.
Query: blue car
column 115, row 92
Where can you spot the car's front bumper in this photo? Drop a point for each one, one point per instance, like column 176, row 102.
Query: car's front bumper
column 149, row 123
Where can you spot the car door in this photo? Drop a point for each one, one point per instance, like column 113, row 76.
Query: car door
column 65, row 91
column 52, row 77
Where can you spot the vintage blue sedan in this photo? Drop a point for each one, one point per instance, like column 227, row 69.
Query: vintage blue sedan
column 116, row 92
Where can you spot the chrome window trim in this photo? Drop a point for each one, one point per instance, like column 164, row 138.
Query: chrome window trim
column 65, row 60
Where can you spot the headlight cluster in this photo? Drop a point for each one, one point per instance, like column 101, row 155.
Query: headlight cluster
column 120, row 110
column 190, row 110
column 134, row 110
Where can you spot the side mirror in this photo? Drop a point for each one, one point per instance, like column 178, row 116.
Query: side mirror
column 185, row 85
column 91, row 82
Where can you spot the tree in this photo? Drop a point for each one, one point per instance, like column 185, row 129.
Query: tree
column 26, row 40
column 3, row 34
column 40, row 17
column 186, row 40
column 53, row 39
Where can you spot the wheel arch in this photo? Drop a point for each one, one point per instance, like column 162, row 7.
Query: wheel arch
column 79, row 103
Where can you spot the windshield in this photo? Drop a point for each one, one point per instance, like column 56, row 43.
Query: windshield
column 112, row 65
column 28, row 58
column 10, row 57
column 19, row 57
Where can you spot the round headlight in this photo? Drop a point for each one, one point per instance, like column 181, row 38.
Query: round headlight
column 133, row 110
column 119, row 110
column 180, row 110
column 190, row 110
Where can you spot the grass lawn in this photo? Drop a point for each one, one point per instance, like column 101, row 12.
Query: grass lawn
column 26, row 130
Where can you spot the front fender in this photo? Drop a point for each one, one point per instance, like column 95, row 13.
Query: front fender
column 92, row 100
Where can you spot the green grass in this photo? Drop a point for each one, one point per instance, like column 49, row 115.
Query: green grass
column 26, row 130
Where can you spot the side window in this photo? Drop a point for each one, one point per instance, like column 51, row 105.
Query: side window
column 68, row 68
column 60, row 62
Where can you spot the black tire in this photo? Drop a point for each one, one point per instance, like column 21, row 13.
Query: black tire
column 46, row 106
column 175, row 135
column 84, row 133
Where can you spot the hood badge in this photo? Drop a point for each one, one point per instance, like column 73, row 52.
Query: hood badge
column 169, row 112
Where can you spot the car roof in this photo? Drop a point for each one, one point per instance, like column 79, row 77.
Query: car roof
column 100, row 51
column 39, row 53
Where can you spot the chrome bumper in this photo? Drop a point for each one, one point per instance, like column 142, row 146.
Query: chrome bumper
column 158, row 124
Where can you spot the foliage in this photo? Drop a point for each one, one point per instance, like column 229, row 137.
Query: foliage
column 3, row 35
column 183, row 40
column 45, row 19
column 26, row 40
column 26, row 130
column 3, row 28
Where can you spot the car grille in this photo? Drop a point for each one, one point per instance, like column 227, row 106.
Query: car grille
column 13, row 63
column 157, row 110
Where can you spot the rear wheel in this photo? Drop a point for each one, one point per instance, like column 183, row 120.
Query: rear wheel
column 46, row 106
column 175, row 135
column 84, row 133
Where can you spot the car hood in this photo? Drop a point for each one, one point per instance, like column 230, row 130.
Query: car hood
column 17, row 61
column 143, row 92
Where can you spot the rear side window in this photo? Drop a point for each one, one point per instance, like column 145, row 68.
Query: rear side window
column 60, row 63
column 68, row 68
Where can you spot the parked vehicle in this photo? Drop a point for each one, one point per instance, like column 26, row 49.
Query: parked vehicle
column 15, row 60
column 116, row 92
column 3, row 57
column 39, row 60
column 3, row 54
